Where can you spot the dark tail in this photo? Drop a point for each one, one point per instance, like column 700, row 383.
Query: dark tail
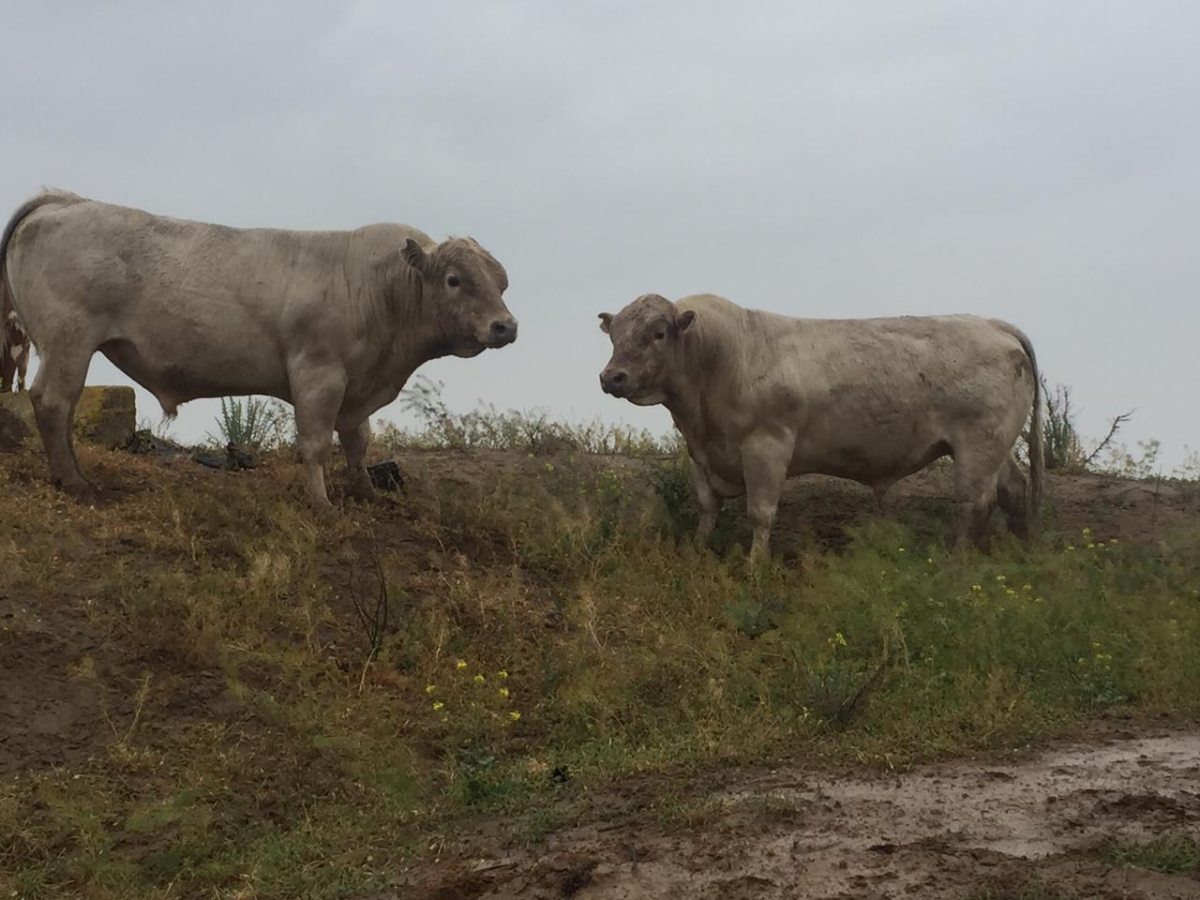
column 8, row 365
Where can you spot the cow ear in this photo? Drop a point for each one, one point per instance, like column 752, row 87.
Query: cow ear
column 684, row 320
column 415, row 256
column 605, row 322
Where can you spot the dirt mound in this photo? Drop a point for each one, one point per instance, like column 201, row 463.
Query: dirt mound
column 942, row 831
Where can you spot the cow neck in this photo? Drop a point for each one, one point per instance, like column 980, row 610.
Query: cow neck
column 417, row 335
column 699, row 369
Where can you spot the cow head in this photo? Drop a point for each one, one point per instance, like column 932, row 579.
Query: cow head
column 464, row 284
column 644, row 336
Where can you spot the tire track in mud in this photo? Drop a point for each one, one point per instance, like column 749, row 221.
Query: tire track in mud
column 939, row 831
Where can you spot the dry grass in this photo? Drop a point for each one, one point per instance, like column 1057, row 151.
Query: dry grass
column 220, row 723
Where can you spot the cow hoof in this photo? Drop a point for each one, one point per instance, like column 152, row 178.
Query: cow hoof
column 81, row 492
column 322, row 508
column 362, row 493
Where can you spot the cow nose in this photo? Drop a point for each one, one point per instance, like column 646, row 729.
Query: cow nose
column 612, row 382
column 504, row 331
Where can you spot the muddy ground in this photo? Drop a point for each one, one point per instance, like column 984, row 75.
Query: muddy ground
column 942, row 831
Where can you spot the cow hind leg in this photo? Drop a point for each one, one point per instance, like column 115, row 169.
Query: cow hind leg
column 1013, row 495
column 975, row 480
column 354, row 444
column 317, row 397
column 54, row 394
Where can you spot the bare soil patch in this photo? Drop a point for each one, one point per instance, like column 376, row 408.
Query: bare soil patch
column 940, row 831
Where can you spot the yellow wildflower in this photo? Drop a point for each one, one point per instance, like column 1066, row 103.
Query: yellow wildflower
column 514, row 715
column 1001, row 579
column 479, row 679
column 503, row 692
column 437, row 704
column 929, row 559
column 1027, row 587
column 461, row 664
column 1070, row 547
column 899, row 549
column 1010, row 592
column 429, row 688
column 502, row 674
column 1091, row 546
column 976, row 588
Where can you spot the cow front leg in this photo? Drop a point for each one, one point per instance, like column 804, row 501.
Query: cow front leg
column 765, row 461
column 317, row 397
column 354, row 442
column 710, row 505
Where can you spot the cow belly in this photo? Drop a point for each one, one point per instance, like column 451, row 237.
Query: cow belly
column 874, row 457
column 870, row 466
column 177, row 380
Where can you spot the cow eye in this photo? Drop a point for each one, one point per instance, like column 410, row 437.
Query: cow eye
column 659, row 335
column 452, row 281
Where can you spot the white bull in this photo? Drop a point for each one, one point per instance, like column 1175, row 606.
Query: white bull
column 333, row 322
column 759, row 397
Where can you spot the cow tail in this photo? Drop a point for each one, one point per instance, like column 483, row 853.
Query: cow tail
column 1037, row 446
column 5, row 348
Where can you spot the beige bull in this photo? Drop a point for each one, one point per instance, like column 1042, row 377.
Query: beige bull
column 333, row 322
column 759, row 397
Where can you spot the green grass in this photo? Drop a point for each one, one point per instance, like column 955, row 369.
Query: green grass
column 1031, row 890
column 258, row 744
column 1170, row 854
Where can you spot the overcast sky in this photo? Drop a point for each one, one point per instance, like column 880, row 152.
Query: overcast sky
column 1034, row 161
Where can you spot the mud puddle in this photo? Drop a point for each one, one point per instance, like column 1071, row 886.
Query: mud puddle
column 941, row 831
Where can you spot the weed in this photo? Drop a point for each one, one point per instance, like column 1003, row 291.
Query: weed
column 372, row 614
column 1170, row 854
column 487, row 428
column 254, row 424
column 672, row 484
column 1063, row 447
column 1032, row 888
column 674, row 813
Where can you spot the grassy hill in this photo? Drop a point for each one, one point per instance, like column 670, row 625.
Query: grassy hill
column 205, row 691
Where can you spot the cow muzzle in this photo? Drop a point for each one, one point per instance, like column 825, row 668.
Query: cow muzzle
column 501, row 332
column 614, row 381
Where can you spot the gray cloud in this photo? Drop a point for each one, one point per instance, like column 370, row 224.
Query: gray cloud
column 1030, row 161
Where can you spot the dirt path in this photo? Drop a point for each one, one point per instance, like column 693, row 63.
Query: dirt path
column 944, row 831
